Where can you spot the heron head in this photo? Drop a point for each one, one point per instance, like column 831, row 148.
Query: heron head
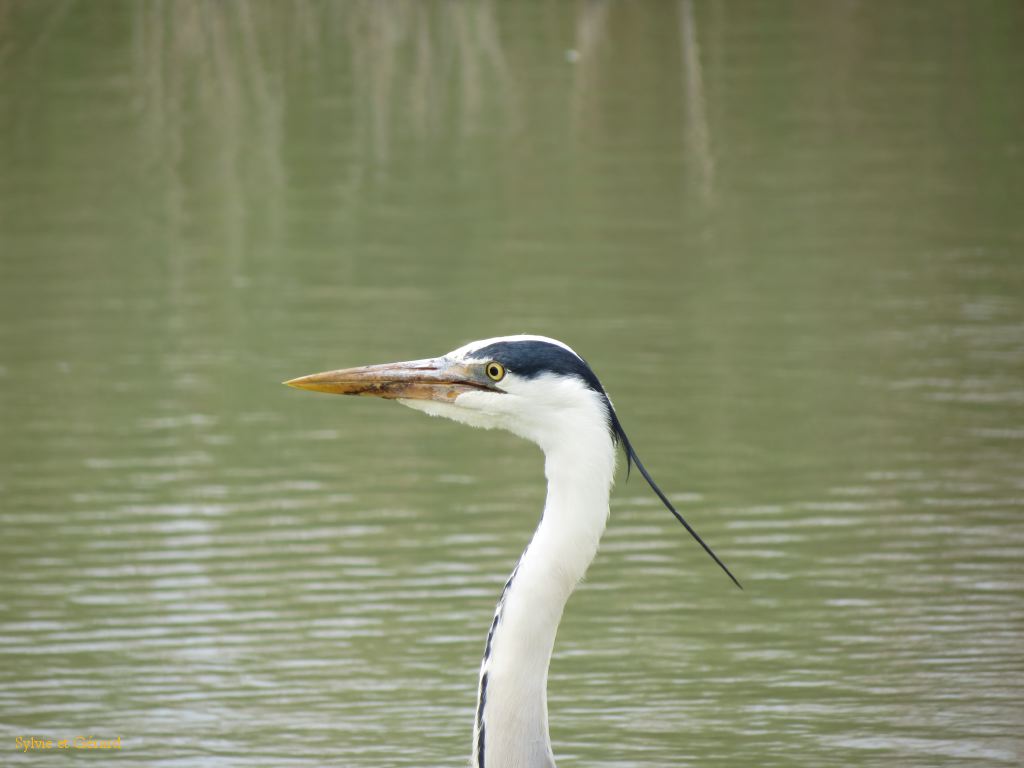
column 533, row 386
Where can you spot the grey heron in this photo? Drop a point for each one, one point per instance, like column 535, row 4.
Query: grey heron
column 540, row 389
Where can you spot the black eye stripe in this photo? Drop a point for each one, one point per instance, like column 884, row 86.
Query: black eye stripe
column 530, row 359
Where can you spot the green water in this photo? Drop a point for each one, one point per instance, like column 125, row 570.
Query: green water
column 787, row 236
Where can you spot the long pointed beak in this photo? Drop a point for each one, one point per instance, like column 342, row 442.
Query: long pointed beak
column 432, row 379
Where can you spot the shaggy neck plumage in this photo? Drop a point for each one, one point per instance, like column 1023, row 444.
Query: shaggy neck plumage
column 511, row 720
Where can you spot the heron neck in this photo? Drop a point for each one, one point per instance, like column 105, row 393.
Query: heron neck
column 512, row 723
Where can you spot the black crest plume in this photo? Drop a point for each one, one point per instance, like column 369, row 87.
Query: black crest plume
column 632, row 458
column 531, row 358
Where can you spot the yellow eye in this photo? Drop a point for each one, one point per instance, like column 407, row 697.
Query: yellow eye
column 495, row 371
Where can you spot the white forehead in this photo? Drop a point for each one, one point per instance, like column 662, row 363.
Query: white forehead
column 468, row 349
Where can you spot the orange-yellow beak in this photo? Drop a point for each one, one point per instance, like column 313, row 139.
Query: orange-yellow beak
column 431, row 379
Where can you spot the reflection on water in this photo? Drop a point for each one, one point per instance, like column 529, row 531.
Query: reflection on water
column 786, row 238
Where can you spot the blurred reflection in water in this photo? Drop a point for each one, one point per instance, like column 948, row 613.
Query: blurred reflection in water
column 787, row 238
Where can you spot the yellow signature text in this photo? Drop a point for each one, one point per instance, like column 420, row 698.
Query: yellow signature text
column 33, row 743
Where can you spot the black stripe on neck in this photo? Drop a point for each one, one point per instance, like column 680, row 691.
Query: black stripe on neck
column 480, row 719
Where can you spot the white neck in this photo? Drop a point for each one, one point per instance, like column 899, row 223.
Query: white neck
column 512, row 719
